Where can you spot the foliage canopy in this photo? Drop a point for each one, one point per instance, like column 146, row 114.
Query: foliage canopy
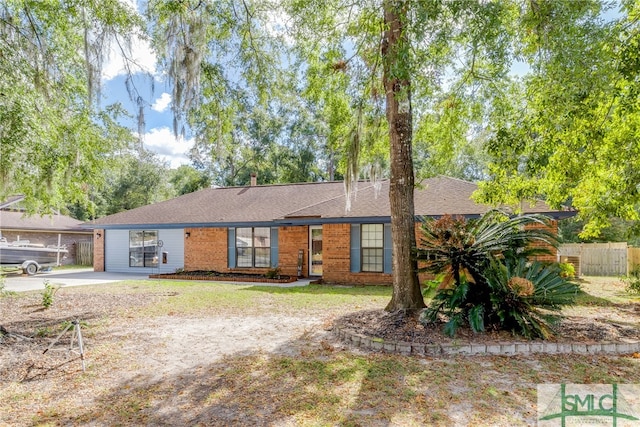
column 54, row 141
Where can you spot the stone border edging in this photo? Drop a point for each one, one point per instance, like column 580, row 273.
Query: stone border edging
column 491, row 348
column 222, row 279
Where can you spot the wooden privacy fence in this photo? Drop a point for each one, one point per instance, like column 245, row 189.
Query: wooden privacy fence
column 84, row 253
column 633, row 259
column 600, row 259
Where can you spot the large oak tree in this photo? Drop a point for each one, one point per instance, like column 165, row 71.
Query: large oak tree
column 406, row 50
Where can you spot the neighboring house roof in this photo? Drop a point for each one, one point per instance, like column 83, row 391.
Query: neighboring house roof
column 15, row 219
column 318, row 202
column 11, row 200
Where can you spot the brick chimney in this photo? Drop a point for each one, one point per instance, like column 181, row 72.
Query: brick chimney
column 254, row 179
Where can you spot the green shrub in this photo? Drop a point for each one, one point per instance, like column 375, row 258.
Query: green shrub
column 49, row 292
column 273, row 273
column 517, row 290
column 457, row 247
column 520, row 289
column 488, row 280
column 567, row 270
column 632, row 281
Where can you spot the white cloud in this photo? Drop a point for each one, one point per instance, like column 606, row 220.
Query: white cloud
column 161, row 103
column 169, row 148
column 133, row 4
column 143, row 58
column 277, row 25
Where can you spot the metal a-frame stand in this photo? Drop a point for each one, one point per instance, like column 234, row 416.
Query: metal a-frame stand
column 76, row 337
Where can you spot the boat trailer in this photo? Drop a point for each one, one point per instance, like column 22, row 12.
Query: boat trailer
column 30, row 267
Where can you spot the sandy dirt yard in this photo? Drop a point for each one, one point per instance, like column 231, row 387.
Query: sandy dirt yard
column 123, row 347
column 162, row 345
column 168, row 347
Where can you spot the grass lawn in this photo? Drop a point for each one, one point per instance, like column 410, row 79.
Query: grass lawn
column 200, row 353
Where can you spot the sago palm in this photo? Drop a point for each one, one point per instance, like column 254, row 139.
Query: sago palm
column 465, row 251
column 459, row 247
column 524, row 296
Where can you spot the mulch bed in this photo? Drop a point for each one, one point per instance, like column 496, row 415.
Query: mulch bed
column 229, row 277
column 398, row 327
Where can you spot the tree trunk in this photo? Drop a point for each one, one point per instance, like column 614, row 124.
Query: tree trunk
column 395, row 48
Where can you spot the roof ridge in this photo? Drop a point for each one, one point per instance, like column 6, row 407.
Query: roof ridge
column 280, row 184
column 371, row 184
column 457, row 179
column 11, row 200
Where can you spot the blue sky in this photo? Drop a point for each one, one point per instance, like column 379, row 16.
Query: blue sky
column 158, row 136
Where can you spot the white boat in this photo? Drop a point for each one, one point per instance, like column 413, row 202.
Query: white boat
column 23, row 252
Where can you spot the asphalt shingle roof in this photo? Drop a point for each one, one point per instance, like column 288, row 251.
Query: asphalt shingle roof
column 11, row 200
column 267, row 203
column 16, row 220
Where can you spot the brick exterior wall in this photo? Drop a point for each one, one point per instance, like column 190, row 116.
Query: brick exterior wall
column 552, row 256
column 336, row 259
column 98, row 250
column 206, row 249
column 335, row 252
column 290, row 241
column 51, row 239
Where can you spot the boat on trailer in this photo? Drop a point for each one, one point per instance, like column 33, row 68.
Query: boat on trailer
column 30, row 256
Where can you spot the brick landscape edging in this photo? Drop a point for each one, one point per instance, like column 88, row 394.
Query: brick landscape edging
column 490, row 348
column 222, row 278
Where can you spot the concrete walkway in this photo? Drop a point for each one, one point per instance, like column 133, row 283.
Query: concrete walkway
column 76, row 277
column 79, row 277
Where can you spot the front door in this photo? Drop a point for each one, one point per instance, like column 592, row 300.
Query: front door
column 315, row 250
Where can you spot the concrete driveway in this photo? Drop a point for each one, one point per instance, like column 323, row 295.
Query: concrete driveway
column 79, row 277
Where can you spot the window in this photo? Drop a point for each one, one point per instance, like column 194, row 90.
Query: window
column 372, row 247
column 143, row 248
column 253, row 247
